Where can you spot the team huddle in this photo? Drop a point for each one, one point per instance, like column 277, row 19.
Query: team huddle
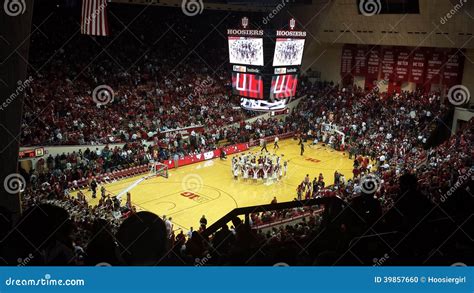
column 246, row 51
column 255, row 166
column 288, row 52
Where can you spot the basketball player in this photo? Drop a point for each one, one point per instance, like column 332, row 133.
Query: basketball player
column 236, row 172
column 264, row 146
column 306, row 180
column 302, row 148
column 275, row 145
column 245, row 171
column 299, row 192
column 94, row 188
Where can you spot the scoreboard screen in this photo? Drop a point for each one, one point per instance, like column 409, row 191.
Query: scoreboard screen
column 288, row 52
column 247, row 85
column 246, row 50
column 283, row 86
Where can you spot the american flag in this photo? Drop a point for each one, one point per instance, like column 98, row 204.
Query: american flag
column 94, row 18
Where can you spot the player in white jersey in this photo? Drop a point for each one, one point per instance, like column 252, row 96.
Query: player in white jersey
column 275, row 172
column 236, row 171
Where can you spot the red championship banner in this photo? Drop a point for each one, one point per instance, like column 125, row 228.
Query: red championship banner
column 434, row 63
column 373, row 65
column 423, row 66
column 417, row 68
column 453, row 68
column 373, row 62
column 402, row 65
column 388, row 63
column 347, row 58
column 360, row 61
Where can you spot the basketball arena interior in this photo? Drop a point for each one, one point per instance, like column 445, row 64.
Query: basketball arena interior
column 236, row 133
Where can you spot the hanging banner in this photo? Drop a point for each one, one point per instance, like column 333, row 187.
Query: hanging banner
column 417, row 68
column 347, row 60
column 434, row 64
column 388, row 64
column 402, row 65
column 453, row 68
column 373, row 62
column 360, row 61
column 423, row 66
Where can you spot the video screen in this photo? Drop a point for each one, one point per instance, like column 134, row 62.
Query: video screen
column 263, row 105
column 283, row 86
column 247, row 85
column 288, row 52
column 246, row 50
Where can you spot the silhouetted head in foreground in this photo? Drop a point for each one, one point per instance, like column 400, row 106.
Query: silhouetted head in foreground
column 42, row 236
column 142, row 239
column 408, row 183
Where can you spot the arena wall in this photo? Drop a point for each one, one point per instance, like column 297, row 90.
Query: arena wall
column 326, row 58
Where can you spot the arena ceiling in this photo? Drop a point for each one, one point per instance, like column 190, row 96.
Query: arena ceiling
column 439, row 23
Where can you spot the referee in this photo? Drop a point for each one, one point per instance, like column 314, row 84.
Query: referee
column 264, row 145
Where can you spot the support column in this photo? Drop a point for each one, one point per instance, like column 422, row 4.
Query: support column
column 15, row 29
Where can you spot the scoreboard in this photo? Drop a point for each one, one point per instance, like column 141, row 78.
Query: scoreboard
column 31, row 153
column 265, row 65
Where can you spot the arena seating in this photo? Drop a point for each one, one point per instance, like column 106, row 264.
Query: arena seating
column 453, row 163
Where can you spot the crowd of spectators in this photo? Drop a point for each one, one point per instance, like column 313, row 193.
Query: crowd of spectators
column 454, row 157
column 153, row 90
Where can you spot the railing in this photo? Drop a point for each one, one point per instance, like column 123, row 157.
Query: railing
column 285, row 220
column 246, row 211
